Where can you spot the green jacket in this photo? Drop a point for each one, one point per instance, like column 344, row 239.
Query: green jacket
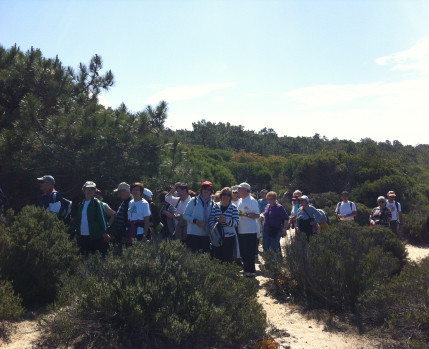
column 97, row 222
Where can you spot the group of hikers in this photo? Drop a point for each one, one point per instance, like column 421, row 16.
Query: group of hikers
column 228, row 223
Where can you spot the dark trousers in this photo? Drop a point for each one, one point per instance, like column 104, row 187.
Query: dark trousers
column 226, row 251
column 88, row 245
column 247, row 244
column 198, row 243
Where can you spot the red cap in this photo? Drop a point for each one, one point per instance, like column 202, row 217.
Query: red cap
column 207, row 183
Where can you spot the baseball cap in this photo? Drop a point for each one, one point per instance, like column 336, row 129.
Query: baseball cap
column 89, row 184
column 123, row 186
column 345, row 193
column 46, row 179
column 210, row 184
column 148, row 193
column 381, row 198
column 391, row 193
column 305, row 197
column 234, row 188
column 263, row 191
column 244, row 185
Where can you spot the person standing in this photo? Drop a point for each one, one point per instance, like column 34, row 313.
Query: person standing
column 197, row 215
column 380, row 215
column 155, row 218
column 111, row 213
column 51, row 199
column 91, row 224
column 307, row 218
column 235, row 196
column 248, row 210
column 396, row 210
column 225, row 214
column 275, row 223
column 179, row 202
column 167, row 217
column 346, row 210
column 295, row 207
column 121, row 216
column 138, row 214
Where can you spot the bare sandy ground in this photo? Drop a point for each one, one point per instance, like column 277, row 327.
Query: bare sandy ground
column 298, row 332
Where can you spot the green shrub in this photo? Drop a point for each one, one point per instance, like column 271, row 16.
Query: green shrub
column 156, row 296
column 35, row 251
column 402, row 305
column 415, row 226
column 338, row 266
column 10, row 303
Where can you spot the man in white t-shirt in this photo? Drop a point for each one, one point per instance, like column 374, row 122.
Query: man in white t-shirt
column 138, row 213
column 346, row 210
column 396, row 209
column 248, row 209
column 179, row 202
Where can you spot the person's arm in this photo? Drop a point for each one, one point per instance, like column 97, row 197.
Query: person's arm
column 167, row 214
column 110, row 213
column 254, row 211
column 318, row 217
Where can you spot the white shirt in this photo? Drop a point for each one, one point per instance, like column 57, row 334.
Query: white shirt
column 345, row 209
column 392, row 207
column 138, row 210
column 248, row 225
column 180, row 208
column 84, row 226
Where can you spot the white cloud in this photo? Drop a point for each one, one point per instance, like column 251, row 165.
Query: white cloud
column 414, row 59
column 105, row 102
column 180, row 93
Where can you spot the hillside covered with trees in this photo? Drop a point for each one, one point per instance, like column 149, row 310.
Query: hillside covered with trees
column 52, row 122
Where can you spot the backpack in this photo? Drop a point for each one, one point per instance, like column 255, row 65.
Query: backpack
column 65, row 210
column 217, row 235
column 324, row 215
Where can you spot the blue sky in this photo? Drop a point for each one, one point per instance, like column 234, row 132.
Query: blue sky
column 347, row 69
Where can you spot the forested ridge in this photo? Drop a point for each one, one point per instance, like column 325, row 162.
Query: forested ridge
column 51, row 122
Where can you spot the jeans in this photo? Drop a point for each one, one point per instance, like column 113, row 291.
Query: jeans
column 271, row 242
column 225, row 252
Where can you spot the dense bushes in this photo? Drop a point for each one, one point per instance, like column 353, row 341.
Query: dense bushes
column 35, row 251
column 402, row 305
column 338, row 266
column 10, row 303
column 156, row 296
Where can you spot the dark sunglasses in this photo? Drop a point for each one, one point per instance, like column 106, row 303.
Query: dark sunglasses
column 382, row 202
column 206, row 187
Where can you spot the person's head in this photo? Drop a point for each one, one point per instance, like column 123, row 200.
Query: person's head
column 272, row 198
column 235, row 193
column 206, row 189
column 225, row 196
column 89, row 189
column 244, row 190
column 137, row 189
column 263, row 194
column 304, row 200
column 147, row 194
column 182, row 190
column 391, row 196
column 46, row 183
column 161, row 197
column 297, row 193
column 123, row 190
column 345, row 196
column 216, row 196
column 381, row 201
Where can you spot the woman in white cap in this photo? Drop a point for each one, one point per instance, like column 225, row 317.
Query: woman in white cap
column 307, row 217
column 380, row 215
column 91, row 222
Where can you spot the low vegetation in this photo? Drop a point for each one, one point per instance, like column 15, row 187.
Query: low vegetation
column 156, row 296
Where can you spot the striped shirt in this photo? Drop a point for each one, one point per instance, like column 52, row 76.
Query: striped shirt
column 231, row 215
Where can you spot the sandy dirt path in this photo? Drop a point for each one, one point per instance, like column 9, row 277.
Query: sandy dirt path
column 303, row 333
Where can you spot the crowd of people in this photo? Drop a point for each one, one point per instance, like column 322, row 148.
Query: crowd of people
column 228, row 223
